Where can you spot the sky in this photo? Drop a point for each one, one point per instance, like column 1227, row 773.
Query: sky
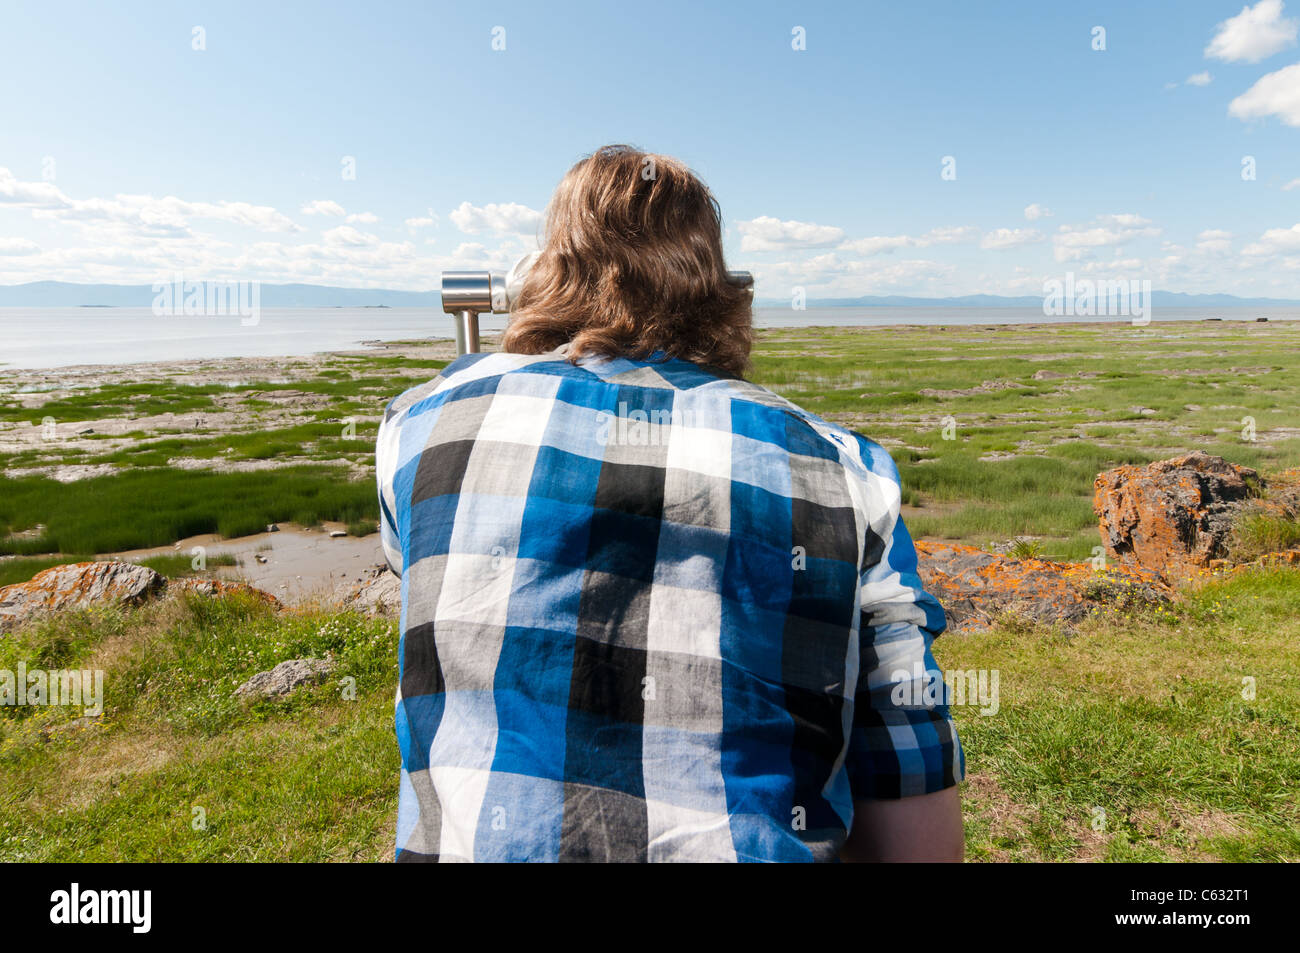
column 857, row 148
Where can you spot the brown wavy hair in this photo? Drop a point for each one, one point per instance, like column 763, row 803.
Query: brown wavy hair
column 631, row 264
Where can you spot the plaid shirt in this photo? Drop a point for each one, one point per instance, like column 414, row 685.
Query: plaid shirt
column 649, row 612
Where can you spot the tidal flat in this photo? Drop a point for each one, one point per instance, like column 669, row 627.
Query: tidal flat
column 998, row 431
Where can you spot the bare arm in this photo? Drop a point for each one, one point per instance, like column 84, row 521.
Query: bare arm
column 924, row 828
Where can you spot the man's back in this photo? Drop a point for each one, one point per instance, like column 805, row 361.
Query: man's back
column 649, row 613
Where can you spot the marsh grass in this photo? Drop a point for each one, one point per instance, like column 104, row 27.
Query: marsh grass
column 1036, row 412
column 143, row 508
column 180, row 564
column 1258, row 533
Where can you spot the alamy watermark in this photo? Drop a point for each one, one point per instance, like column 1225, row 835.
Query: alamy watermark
column 926, row 688
column 639, row 428
column 56, row 687
column 1130, row 297
column 179, row 297
column 76, row 905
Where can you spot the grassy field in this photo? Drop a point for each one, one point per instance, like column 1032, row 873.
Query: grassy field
column 1136, row 737
column 308, row 778
column 998, row 432
column 1142, row 718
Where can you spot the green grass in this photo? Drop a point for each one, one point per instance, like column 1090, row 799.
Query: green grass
column 1140, row 715
column 1259, row 533
column 22, row 568
column 1143, row 717
column 138, row 509
column 128, row 399
column 308, row 778
column 319, row 440
column 181, row 564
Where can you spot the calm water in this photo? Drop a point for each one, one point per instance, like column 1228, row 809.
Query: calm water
column 57, row 337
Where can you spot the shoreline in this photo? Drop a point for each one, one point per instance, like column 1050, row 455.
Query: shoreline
column 490, row 337
column 344, row 342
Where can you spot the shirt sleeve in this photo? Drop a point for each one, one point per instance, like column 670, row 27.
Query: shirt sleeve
column 386, row 454
column 902, row 741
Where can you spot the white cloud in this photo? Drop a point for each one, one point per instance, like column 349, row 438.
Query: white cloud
column 323, row 207
column 1200, row 79
column 1293, row 184
column 1275, row 241
column 1275, row 94
column 1001, row 238
column 830, row 275
column 423, row 222
column 30, row 194
column 18, row 246
column 1126, row 220
column 138, row 239
column 885, row 244
column 877, row 245
column 1214, row 241
column 347, row 235
column 766, row 233
column 1034, row 211
column 364, row 218
column 145, row 215
column 948, row 235
column 1078, row 242
column 504, row 219
column 1254, row 34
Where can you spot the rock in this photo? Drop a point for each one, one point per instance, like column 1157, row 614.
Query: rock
column 219, row 587
column 285, row 677
column 337, row 534
column 975, row 587
column 76, row 586
column 1173, row 516
column 378, row 593
column 272, row 528
column 259, row 557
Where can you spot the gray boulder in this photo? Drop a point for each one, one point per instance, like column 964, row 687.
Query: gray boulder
column 285, row 677
column 77, row 586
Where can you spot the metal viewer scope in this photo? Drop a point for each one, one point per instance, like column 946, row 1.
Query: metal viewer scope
column 467, row 294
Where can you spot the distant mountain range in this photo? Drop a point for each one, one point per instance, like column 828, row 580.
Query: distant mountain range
column 1159, row 299
column 62, row 294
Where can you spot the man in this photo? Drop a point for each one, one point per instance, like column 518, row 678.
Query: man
column 651, row 611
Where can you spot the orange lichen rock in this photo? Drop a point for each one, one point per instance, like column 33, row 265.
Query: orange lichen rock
column 80, row 585
column 976, row 587
column 1172, row 517
column 219, row 587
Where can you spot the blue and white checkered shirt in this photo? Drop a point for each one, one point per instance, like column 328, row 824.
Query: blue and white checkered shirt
column 649, row 612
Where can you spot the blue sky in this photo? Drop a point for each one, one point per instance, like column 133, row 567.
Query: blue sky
column 127, row 154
